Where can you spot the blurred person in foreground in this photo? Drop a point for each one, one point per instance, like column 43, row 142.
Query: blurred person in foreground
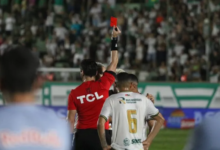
column 88, row 98
column 128, row 111
column 206, row 135
column 23, row 125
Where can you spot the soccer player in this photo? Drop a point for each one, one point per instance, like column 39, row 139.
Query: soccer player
column 134, row 88
column 88, row 98
column 23, row 125
column 128, row 111
column 100, row 71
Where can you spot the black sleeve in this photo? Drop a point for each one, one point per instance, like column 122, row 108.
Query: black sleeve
column 111, row 92
column 112, row 73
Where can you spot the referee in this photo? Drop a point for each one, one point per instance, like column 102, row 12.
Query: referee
column 88, row 98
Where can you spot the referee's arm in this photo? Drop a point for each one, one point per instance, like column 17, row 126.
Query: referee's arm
column 114, row 50
column 71, row 119
column 71, row 114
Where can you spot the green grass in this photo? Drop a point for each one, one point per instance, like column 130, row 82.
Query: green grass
column 170, row 139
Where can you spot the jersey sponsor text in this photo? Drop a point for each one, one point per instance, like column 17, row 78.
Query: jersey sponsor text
column 89, row 97
column 27, row 137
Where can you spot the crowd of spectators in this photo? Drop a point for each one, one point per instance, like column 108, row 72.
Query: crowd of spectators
column 166, row 40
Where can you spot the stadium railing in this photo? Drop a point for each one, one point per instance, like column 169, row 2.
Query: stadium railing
column 67, row 74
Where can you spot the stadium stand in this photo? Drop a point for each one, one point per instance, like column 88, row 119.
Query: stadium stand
column 61, row 33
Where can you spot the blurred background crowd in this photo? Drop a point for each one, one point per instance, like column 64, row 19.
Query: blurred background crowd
column 162, row 40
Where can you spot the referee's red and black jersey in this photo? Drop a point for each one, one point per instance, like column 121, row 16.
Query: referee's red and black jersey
column 88, row 99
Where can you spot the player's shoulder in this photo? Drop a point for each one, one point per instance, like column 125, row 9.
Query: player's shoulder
column 77, row 88
column 113, row 96
column 139, row 95
column 109, row 74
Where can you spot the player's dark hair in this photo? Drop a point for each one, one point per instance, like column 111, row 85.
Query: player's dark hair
column 89, row 67
column 18, row 70
column 122, row 79
column 133, row 78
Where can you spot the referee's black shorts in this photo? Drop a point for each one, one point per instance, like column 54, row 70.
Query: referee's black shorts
column 87, row 139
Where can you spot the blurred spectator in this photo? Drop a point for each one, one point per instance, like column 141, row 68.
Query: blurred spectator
column 9, row 23
column 59, row 6
column 60, row 33
column 151, row 52
column 95, row 14
column 214, row 75
column 49, row 23
column 139, row 53
column 162, row 72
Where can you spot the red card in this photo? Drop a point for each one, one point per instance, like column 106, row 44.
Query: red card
column 113, row 21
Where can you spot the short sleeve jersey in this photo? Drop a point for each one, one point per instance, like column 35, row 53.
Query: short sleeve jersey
column 128, row 111
column 88, row 99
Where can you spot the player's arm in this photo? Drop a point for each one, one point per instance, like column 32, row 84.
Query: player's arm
column 109, row 75
column 150, row 124
column 71, row 114
column 150, row 97
column 105, row 113
column 154, row 114
column 156, row 128
column 114, row 50
column 101, row 132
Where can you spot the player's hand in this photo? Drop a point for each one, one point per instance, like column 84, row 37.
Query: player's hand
column 107, row 148
column 116, row 31
column 150, row 96
column 146, row 145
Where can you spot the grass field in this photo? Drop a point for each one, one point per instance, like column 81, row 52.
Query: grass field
column 170, row 139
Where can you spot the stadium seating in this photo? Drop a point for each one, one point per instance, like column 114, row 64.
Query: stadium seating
column 167, row 39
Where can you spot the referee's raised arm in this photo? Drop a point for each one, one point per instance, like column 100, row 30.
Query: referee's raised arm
column 108, row 77
column 114, row 50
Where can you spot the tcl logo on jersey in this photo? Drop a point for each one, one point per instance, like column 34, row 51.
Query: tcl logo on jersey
column 90, row 97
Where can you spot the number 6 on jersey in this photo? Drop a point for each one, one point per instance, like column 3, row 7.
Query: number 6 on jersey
column 132, row 122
